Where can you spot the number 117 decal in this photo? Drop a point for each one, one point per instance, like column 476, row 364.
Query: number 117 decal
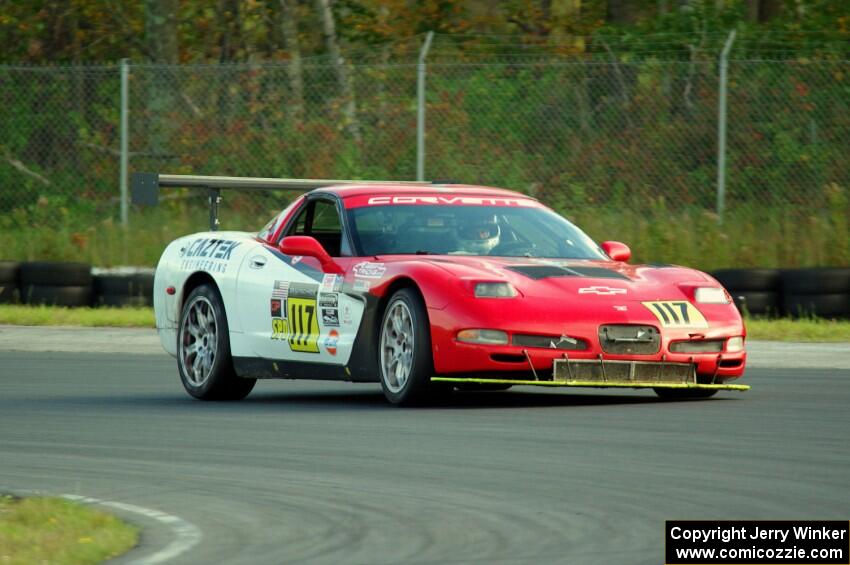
column 303, row 319
column 677, row 314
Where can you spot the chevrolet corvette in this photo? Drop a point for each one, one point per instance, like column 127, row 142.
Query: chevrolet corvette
column 427, row 288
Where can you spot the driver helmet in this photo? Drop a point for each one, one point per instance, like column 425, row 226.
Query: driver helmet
column 479, row 235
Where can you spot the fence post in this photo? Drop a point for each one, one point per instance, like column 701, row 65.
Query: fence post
column 721, row 127
column 125, row 135
column 420, row 107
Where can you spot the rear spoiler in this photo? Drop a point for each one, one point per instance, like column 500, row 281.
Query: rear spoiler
column 145, row 187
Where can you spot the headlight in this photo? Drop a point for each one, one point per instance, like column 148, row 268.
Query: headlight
column 735, row 344
column 494, row 290
column 711, row 295
column 485, row 337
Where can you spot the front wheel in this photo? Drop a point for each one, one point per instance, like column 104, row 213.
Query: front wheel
column 404, row 344
column 203, row 349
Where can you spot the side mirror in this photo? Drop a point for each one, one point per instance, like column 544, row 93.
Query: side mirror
column 309, row 247
column 617, row 251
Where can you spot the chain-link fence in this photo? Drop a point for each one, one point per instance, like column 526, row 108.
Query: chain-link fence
column 627, row 148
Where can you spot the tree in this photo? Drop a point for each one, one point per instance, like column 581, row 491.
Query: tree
column 289, row 29
column 343, row 79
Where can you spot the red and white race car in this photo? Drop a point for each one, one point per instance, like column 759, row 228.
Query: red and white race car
column 425, row 288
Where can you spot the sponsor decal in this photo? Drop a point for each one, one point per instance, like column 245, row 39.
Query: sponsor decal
column 303, row 317
column 332, row 342
column 330, row 317
column 329, row 283
column 676, row 314
column 621, row 308
column 276, row 308
column 369, row 270
column 450, row 200
column 602, row 290
column 280, row 291
column 346, row 314
column 280, row 329
column 361, row 285
column 207, row 254
column 328, row 300
column 296, row 259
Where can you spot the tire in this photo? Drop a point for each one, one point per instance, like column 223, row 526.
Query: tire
column 820, row 305
column 71, row 296
column 207, row 374
column 8, row 293
column 684, row 393
column 764, row 280
column 756, row 302
column 124, row 285
column 9, row 271
column 405, row 361
column 823, row 280
column 50, row 273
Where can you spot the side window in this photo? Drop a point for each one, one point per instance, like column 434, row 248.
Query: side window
column 320, row 219
column 326, row 219
column 270, row 229
column 300, row 225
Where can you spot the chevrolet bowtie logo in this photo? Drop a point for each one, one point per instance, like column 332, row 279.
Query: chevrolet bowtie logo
column 603, row 290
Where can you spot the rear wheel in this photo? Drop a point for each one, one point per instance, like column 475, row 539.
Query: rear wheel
column 404, row 344
column 203, row 349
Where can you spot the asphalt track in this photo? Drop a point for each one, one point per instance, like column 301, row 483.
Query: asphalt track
column 329, row 473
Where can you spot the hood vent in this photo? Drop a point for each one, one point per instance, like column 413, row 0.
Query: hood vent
column 538, row 272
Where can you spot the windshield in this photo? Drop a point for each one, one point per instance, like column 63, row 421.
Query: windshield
column 468, row 230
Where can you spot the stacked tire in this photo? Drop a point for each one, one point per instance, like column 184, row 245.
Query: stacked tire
column 822, row 292
column 755, row 291
column 57, row 284
column 9, row 271
column 123, row 287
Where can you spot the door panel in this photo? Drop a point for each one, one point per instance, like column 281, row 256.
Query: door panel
column 290, row 310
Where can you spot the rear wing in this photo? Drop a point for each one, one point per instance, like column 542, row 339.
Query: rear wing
column 145, row 187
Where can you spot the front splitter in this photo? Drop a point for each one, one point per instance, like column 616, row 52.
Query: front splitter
column 592, row 384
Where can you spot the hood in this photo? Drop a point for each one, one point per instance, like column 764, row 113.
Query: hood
column 550, row 278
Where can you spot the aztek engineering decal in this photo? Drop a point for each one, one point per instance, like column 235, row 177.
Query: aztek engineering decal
column 207, row 255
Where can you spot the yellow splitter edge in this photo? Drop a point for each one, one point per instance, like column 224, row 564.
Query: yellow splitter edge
column 593, row 384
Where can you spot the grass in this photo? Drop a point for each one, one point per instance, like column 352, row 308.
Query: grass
column 53, row 530
column 782, row 329
column 127, row 317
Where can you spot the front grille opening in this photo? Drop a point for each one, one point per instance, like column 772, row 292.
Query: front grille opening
column 549, row 342
column 629, row 339
column 697, row 346
column 508, row 358
column 730, row 363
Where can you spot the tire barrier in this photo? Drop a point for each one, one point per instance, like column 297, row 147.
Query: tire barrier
column 813, row 292
column 9, row 281
column 821, row 292
column 123, row 286
column 74, row 284
column 55, row 283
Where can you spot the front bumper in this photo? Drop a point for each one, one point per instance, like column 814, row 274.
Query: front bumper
column 453, row 358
